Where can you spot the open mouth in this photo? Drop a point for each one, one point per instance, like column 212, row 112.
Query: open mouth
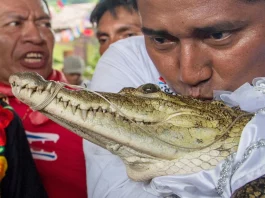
column 33, row 57
column 33, row 60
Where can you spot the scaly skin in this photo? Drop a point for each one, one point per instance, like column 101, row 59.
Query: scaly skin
column 154, row 133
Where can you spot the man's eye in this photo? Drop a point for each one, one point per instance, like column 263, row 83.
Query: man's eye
column 102, row 40
column 162, row 43
column 127, row 34
column 219, row 35
column 219, row 38
column 45, row 24
column 130, row 34
column 160, row 40
column 14, row 23
column 48, row 24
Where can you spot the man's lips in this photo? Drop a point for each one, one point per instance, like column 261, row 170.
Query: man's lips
column 201, row 93
column 194, row 92
column 33, row 60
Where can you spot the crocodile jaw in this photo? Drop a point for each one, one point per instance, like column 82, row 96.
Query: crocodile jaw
column 96, row 126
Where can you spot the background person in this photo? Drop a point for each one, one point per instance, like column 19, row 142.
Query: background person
column 196, row 47
column 73, row 69
column 114, row 20
column 27, row 43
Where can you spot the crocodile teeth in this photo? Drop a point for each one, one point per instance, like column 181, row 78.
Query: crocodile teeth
column 49, row 86
column 19, row 89
column 39, row 90
column 30, row 91
column 65, row 104
column 74, row 109
column 84, row 114
column 52, row 90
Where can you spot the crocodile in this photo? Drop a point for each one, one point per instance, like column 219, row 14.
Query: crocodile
column 154, row 133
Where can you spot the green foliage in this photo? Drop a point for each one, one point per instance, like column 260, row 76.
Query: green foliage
column 58, row 51
column 92, row 58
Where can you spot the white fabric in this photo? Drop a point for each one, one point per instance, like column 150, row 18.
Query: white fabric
column 106, row 176
column 238, row 97
column 86, row 84
column 126, row 64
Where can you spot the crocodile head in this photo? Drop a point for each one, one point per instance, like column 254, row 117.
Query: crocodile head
column 153, row 133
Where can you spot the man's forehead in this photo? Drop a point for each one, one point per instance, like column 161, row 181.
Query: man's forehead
column 180, row 4
column 23, row 6
column 243, row 1
column 193, row 8
column 203, row 16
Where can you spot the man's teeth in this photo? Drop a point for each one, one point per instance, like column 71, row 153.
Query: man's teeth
column 33, row 57
column 32, row 60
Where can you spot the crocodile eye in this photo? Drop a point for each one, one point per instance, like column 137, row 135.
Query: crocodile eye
column 150, row 88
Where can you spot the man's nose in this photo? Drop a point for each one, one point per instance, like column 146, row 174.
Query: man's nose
column 195, row 64
column 31, row 33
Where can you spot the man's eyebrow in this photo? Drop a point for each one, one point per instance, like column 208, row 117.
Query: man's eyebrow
column 150, row 32
column 221, row 26
column 123, row 29
column 44, row 17
column 99, row 33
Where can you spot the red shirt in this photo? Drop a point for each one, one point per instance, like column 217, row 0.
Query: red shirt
column 58, row 153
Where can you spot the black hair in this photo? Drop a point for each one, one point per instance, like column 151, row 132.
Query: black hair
column 134, row 3
column 110, row 5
